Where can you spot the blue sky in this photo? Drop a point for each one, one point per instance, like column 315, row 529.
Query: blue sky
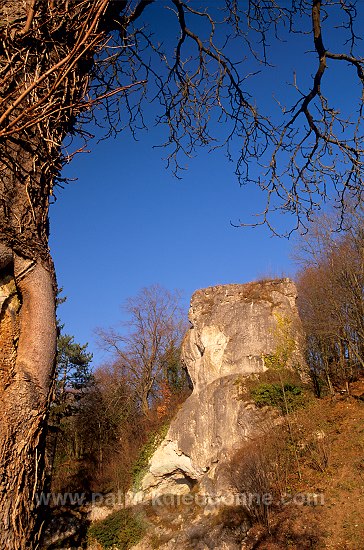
column 128, row 223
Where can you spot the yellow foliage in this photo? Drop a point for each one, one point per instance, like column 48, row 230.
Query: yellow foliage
column 284, row 336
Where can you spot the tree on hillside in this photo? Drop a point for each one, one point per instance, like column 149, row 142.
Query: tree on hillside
column 73, row 382
column 59, row 60
column 331, row 300
column 87, row 434
column 145, row 353
column 73, row 373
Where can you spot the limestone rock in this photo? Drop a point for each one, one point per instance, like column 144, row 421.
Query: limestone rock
column 233, row 329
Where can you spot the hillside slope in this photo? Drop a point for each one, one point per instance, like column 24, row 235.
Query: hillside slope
column 320, row 508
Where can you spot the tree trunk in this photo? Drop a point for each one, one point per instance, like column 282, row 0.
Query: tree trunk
column 27, row 333
column 145, row 405
column 46, row 52
column 27, row 352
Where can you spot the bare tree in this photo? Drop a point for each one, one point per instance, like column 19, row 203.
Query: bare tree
column 331, row 299
column 60, row 59
column 154, row 328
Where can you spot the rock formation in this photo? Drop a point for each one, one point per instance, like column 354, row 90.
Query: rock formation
column 234, row 329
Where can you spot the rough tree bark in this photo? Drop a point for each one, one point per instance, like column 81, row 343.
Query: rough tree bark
column 27, row 342
column 30, row 161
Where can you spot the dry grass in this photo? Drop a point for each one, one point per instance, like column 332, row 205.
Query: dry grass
column 329, row 437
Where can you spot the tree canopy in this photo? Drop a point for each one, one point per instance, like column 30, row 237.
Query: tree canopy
column 64, row 63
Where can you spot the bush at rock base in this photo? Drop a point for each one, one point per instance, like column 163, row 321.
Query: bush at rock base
column 121, row 529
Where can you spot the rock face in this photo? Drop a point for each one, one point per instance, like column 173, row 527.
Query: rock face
column 234, row 328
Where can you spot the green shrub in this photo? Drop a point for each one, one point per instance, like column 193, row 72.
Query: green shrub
column 121, row 528
column 248, row 382
column 286, row 396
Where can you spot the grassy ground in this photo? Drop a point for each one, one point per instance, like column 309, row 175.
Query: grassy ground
column 337, row 523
